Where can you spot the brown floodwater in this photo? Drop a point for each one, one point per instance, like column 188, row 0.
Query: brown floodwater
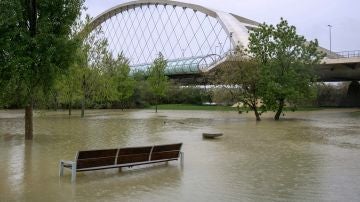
column 308, row 156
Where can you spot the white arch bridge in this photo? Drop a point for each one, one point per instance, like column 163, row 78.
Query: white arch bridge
column 194, row 39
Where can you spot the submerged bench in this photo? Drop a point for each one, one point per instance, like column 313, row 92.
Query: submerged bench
column 123, row 157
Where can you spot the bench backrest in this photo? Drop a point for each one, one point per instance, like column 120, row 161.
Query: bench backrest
column 96, row 158
column 133, row 154
column 162, row 152
column 128, row 155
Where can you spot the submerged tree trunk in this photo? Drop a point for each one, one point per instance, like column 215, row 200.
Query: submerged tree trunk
column 122, row 105
column 29, row 122
column 257, row 114
column 83, row 107
column 156, row 105
column 70, row 106
column 280, row 109
column 32, row 17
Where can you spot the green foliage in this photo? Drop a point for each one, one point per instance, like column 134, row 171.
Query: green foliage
column 117, row 74
column 69, row 85
column 35, row 46
column 243, row 80
column 96, row 78
column 142, row 93
column 286, row 61
column 330, row 95
column 186, row 95
column 157, row 79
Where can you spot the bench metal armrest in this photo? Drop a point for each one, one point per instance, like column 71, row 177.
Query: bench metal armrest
column 66, row 163
column 182, row 158
column 73, row 168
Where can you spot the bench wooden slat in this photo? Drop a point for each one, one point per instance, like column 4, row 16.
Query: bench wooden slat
column 168, row 147
column 133, row 154
column 164, row 155
column 135, row 150
column 133, row 158
column 96, row 153
column 95, row 162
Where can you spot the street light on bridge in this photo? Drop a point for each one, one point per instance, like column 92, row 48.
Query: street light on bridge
column 330, row 26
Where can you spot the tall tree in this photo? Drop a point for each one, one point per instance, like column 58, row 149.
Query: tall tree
column 35, row 46
column 94, row 49
column 286, row 61
column 68, row 85
column 157, row 79
column 118, row 73
column 243, row 80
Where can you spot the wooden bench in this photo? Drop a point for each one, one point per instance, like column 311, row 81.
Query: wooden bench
column 121, row 157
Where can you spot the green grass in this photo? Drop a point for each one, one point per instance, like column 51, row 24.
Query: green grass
column 193, row 107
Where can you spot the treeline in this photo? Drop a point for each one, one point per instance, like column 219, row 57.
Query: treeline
column 97, row 79
column 141, row 96
column 327, row 95
column 273, row 72
column 345, row 94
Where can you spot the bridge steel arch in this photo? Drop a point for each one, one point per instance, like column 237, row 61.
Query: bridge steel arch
column 235, row 27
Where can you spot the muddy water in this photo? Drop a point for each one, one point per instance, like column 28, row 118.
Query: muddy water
column 310, row 156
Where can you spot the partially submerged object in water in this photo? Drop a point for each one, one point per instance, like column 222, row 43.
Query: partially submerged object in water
column 212, row 135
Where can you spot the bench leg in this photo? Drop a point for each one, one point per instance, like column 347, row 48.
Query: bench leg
column 73, row 172
column 61, row 170
column 120, row 169
column 182, row 158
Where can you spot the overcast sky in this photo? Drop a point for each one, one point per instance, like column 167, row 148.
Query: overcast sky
column 311, row 17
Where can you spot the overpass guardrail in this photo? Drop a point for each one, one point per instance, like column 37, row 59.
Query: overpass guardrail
column 348, row 54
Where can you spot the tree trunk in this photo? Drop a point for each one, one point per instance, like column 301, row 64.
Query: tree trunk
column 32, row 16
column 83, row 108
column 122, row 106
column 84, row 97
column 156, row 104
column 29, row 122
column 70, row 106
column 56, row 104
column 280, row 109
column 257, row 114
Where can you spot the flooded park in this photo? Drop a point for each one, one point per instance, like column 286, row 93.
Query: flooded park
column 307, row 156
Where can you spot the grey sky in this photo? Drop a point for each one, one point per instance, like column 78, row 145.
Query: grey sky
column 311, row 17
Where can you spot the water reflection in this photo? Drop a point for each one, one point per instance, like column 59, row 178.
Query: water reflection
column 310, row 156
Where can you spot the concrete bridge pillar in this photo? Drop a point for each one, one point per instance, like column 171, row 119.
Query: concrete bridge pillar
column 353, row 95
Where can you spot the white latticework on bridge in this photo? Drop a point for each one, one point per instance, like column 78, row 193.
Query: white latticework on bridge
column 191, row 37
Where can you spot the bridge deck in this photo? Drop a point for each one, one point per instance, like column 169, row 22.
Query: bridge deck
column 330, row 69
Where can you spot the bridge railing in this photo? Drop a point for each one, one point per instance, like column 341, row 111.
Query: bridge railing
column 348, row 54
column 226, row 54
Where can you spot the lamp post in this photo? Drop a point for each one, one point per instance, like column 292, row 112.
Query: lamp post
column 231, row 36
column 330, row 27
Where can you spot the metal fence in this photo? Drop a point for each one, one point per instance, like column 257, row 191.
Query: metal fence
column 348, row 54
